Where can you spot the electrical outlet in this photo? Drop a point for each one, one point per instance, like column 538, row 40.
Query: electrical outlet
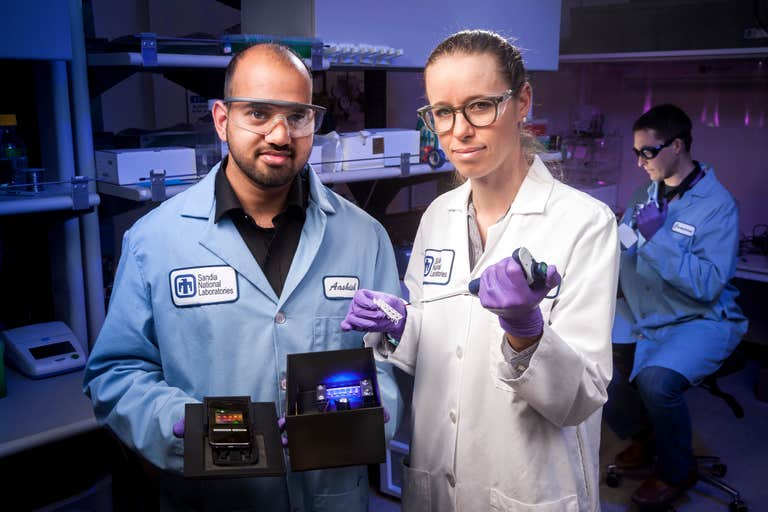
column 755, row 33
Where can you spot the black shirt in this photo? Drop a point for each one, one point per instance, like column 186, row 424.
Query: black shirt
column 668, row 193
column 273, row 248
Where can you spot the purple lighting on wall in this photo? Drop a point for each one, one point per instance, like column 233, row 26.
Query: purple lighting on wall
column 746, row 117
column 716, row 116
column 648, row 100
column 703, row 116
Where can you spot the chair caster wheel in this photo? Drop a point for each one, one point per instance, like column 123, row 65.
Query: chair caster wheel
column 738, row 506
column 436, row 158
column 613, row 477
column 719, row 470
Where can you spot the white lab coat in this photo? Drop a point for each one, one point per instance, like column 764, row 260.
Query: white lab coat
column 482, row 438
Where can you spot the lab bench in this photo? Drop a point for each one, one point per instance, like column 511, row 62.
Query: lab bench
column 37, row 412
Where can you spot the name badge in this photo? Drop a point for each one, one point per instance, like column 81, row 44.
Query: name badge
column 196, row 286
column 438, row 265
column 683, row 228
column 340, row 287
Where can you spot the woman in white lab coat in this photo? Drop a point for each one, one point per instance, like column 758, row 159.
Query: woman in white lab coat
column 509, row 386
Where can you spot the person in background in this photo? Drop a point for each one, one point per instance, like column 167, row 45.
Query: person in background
column 678, row 319
column 508, row 386
column 284, row 255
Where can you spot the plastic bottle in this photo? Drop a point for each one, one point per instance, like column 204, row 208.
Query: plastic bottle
column 208, row 150
column 13, row 151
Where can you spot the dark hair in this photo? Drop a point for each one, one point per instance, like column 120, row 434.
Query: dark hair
column 510, row 64
column 474, row 42
column 280, row 51
column 667, row 121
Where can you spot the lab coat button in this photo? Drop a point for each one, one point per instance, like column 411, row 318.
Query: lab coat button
column 280, row 317
column 451, row 480
column 459, row 352
column 452, row 415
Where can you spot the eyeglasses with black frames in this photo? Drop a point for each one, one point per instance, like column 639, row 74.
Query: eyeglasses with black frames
column 260, row 116
column 651, row 152
column 480, row 112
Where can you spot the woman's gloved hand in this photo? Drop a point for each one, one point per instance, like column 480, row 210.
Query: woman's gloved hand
column 650, row 219
column 283, row 433
column 504, row 291
column 178, row 428
column 376, row 312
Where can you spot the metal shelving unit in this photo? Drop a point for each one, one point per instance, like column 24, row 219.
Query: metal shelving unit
column 142, row 193
column 41, row 411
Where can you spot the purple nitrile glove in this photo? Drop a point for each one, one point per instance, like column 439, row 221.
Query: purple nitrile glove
column 178, row 428
column 505, row 292
column 650, row 219
column 376, row 312
column 283, row 433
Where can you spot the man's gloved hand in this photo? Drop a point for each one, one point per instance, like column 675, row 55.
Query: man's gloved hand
column 650, row 219
column 505, row 292
column 283, row 433
column 365, row 315
column 178, row 428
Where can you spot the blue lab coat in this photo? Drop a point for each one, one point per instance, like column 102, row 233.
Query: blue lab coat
column 153, row 356
column 679, row 305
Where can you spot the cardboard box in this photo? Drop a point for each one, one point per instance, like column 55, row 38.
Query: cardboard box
column 333, row 438
column 129, row 166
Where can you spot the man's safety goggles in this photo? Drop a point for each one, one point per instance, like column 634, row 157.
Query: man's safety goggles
column 650, row 152
column 260, row 116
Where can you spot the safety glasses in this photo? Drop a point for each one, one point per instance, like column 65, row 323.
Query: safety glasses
column 480, row 112
column 650, row 152
column 260, row 116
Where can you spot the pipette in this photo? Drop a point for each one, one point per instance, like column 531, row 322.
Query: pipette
column 535, row 273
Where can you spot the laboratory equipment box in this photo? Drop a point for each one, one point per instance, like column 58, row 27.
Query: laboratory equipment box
column 361, row 150
column 130, row 166
column 379, row 147
column 398, row 141
column 43, row 350
column 204, row 460
column 335, row 416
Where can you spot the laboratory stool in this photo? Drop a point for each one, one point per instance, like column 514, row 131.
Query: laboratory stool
column 711, row 468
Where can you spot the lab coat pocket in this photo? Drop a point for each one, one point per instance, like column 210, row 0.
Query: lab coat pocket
column 684, row 240
column 416, row 489
column 329, row 336
column 501, row 502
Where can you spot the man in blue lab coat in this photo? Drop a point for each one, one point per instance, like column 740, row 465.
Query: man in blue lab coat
column 219, row 283
column 678, row 320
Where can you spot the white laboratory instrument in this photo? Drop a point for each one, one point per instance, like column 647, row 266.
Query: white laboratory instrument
column 43, row 350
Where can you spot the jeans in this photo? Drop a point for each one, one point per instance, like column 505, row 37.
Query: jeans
column 654, row 400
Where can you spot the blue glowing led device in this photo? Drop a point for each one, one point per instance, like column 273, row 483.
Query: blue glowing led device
column 343, row 396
